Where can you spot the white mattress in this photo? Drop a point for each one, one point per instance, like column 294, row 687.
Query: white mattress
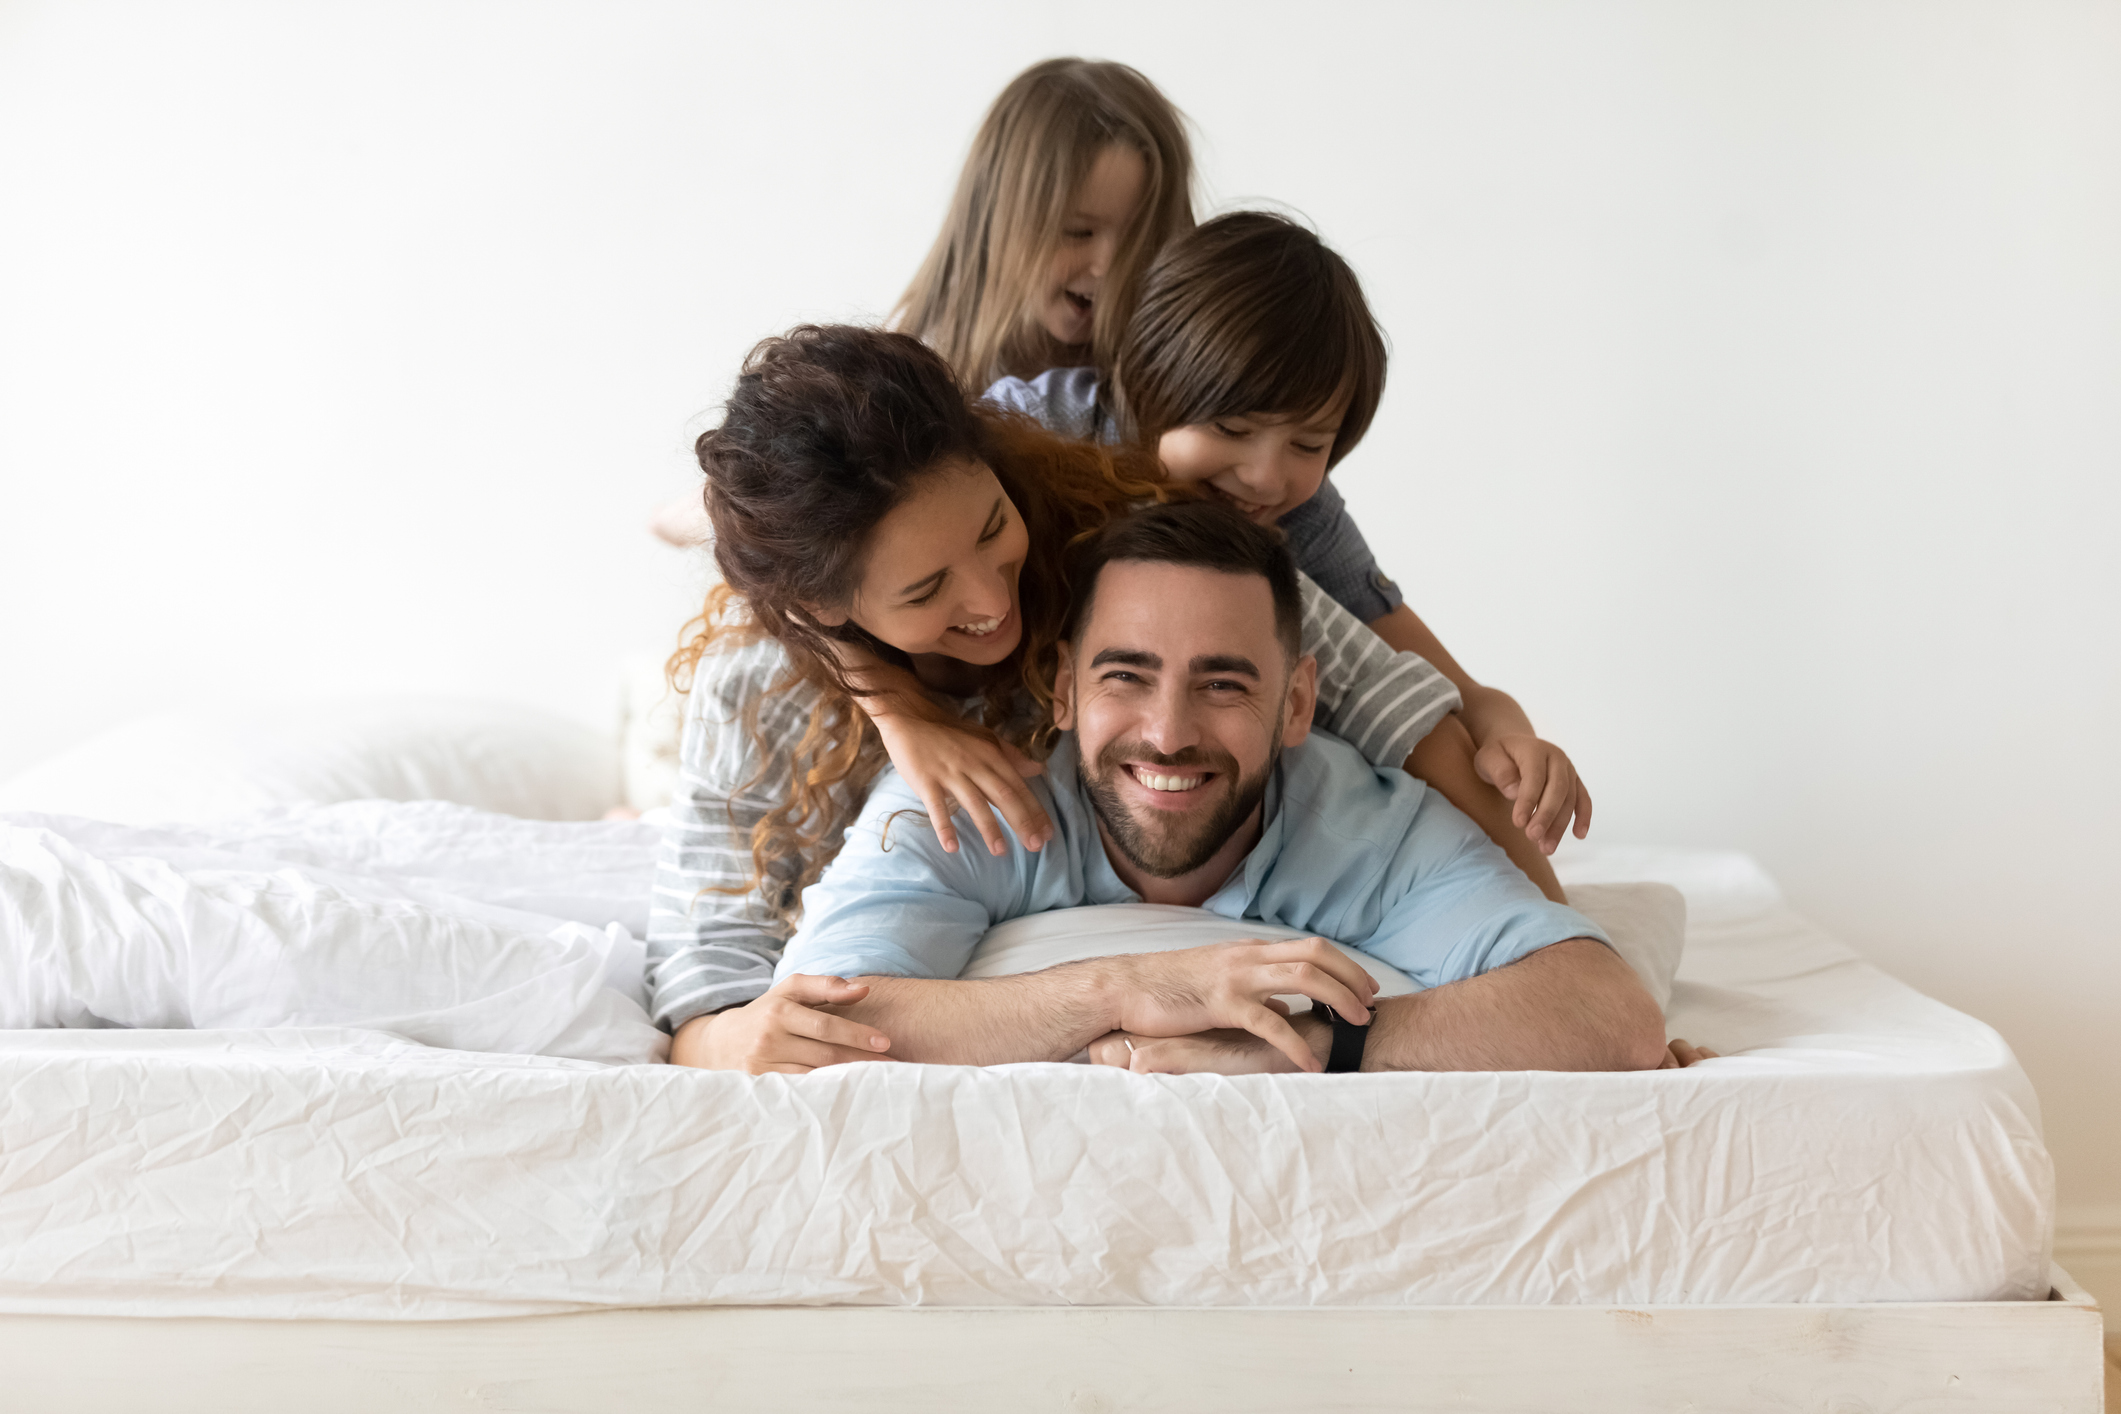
column 1859, row 1143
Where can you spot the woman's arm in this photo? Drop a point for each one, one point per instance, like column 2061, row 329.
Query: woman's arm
column 711, row 950
column 948, row 761
column 1536, row 777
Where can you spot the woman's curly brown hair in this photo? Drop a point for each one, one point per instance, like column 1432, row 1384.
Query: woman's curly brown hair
column 828, row 430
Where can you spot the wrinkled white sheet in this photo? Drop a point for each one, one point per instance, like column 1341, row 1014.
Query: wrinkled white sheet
column 312, row 918
column 1862, row 1143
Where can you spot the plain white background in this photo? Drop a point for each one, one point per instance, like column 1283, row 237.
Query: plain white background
column 1755, row 411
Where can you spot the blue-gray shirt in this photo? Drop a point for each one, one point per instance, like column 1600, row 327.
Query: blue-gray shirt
column 1364, row 855
column 1322, row 535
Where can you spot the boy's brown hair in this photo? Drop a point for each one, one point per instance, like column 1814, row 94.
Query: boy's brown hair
column 1249, row 313
column 973, row 300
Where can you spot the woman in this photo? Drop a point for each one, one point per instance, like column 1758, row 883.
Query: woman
column 894, row 563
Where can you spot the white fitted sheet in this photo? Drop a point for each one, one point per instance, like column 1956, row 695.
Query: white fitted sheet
column 1859, row 1143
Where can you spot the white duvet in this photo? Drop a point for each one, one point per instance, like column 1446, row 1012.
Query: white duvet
column 329, row 917
column 1860, row 1143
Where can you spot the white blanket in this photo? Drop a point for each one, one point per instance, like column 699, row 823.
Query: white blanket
column 1862, row 1143
column 328, row 917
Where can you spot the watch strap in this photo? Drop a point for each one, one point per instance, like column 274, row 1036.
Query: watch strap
column 1348, row 1042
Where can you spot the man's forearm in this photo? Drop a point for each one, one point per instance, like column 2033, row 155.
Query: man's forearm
column 1038, row 1016
column 1572, row 1006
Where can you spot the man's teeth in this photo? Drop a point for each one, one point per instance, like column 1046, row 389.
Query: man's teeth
column 1156, row 782
column 980, row 629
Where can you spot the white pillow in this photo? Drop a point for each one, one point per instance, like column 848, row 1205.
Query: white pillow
column 1647, row 923
column 510, row 760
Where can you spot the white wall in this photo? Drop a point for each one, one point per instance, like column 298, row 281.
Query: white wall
column 1754, row 410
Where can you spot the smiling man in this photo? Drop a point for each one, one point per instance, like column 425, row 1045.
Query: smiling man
column 1188, row 773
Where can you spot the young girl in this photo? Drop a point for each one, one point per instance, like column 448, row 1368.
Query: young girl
column 879, row 532
column 1079, row 174
column 1251, row 367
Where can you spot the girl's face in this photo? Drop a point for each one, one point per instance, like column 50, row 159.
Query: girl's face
column 1090, row 235
column 1264, row 466
column 942, row 570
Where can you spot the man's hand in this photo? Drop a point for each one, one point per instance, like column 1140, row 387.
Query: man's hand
column 1241, row 1053
column 1232, row 985
column 1210, row 1052
column 1541, row 784
column 781, row 1031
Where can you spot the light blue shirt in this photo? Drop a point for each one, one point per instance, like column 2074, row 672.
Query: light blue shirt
column 1367, row 856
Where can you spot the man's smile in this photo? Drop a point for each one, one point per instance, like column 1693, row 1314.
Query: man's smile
column 1168, row 787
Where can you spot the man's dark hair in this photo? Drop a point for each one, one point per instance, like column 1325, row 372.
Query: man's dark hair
column 1202, row 535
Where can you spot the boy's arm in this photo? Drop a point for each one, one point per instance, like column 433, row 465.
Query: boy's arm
column 1535, row 776
column 1444, row 759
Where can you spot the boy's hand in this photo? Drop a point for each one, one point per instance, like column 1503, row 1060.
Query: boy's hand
column 953, row 765
column 1540, row 782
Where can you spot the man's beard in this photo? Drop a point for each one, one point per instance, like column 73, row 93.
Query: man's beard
column 1188, row 842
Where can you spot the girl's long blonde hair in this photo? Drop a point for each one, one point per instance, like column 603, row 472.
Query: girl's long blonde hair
column 975, row 299
column 829, row 429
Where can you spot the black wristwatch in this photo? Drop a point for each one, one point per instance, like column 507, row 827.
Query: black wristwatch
column 1348, row 1040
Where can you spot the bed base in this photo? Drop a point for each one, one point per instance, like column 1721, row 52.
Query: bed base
column 2002, row 1356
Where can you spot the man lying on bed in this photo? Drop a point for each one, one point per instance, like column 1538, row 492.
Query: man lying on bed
column 1188, row 774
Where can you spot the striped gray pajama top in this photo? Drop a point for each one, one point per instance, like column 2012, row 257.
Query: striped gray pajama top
column 711, row 950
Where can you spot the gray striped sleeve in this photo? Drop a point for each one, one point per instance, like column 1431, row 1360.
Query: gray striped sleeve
column 1378, row 701
column 708, row 950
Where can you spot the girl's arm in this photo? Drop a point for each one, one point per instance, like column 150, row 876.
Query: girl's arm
column 952, row 764
column 1535, row 776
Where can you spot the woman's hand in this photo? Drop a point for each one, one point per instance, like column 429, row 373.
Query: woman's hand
column 953, row 765
column 1540, row 782
column 782, row 1032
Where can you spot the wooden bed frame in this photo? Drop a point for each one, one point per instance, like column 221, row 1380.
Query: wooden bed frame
column 2019, row 1357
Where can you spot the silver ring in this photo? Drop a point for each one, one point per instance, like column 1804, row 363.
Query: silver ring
column 1130, row 1044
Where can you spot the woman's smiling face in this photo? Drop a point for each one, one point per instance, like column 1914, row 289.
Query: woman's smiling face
column 942, row 569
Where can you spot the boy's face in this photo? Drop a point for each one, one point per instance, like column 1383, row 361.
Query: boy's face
column 1090, row 238
column 1263, row 466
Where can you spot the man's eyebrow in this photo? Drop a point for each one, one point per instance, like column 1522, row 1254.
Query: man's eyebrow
column 1127, row 657
column 1226, row 663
